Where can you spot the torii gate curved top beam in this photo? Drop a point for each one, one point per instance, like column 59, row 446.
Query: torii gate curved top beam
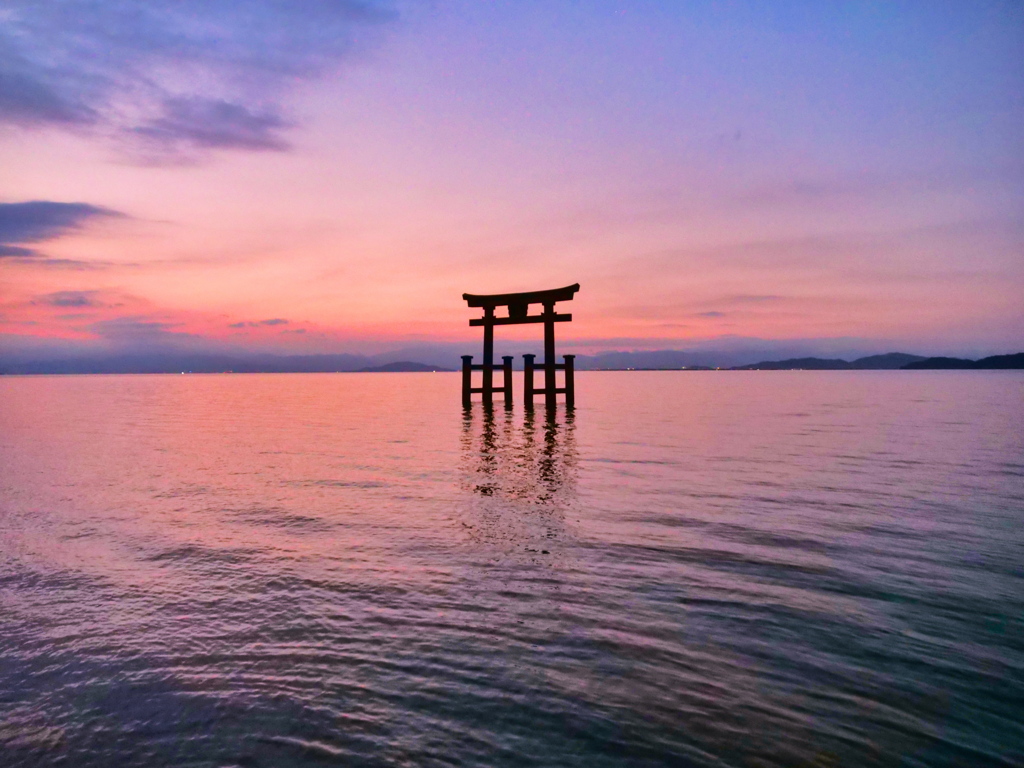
column 528, row 297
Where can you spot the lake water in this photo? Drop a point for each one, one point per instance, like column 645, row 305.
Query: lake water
column 693, row 568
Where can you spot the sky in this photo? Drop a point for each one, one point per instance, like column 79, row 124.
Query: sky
column 311, row 176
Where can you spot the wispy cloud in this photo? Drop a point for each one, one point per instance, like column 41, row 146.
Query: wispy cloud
column 258, row 323
column 15, row 252
column 137, row 329
column 38, row 260
column 70, row 299
column 837, row 187
column 39, row 221
column 172, row 78
column 200, row 123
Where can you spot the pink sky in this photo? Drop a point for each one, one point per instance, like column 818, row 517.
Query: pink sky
column 707, row 173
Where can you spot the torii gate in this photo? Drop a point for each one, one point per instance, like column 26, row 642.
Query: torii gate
column 518, row 312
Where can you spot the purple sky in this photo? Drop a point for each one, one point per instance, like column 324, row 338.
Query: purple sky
column 330, row 176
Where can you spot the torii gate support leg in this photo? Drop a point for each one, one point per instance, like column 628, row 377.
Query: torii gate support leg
column 570, row 383
column 528, row 380
column 506, row 371
column 488, row 385
column 467, row 380
column 549, row 355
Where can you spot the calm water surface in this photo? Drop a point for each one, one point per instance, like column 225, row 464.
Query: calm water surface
column 706, row 569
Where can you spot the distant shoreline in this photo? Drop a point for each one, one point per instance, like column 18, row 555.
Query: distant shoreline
column 443, row 370
column 196, row 364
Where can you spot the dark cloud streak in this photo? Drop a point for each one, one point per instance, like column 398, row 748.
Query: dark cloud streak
column 16, row 252
column 212, row 124
column 137, row 329
column 70, row 299
column 41, row 220
column 41, row 260
column 258, row 323
column 38, row 220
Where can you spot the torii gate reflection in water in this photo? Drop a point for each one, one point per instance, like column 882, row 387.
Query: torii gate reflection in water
column 518, row 313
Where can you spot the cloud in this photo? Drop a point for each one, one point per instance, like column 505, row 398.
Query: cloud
column 137, row 329
column 37, row 260
column 711, row 314
column 870, row 184
column 15, row 252
column 180, row 76
column 257, row 324
column 27, row 99
column 37, row 220
column 40, row 220
column 70, row 299
column 211, row 124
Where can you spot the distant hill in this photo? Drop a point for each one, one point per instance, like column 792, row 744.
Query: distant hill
column 403, row 366
column 957, row 363
column 171, row 362
column 887, row 362
column 1001, row 361
column 797, row 364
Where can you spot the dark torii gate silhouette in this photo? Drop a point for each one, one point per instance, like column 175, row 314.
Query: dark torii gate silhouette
column 518, row 313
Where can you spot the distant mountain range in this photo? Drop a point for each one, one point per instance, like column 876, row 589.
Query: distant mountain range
column 888, row 362
column 170, row 361
column 403, row 366
column 177, row 361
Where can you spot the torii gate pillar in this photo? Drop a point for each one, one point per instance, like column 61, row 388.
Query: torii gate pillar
column 518, row 312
